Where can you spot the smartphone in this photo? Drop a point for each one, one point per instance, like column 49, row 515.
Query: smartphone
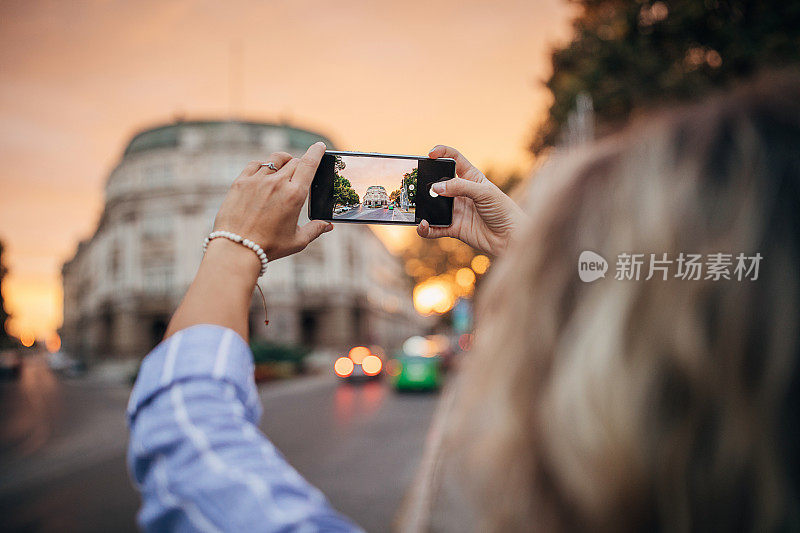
column 372, row 188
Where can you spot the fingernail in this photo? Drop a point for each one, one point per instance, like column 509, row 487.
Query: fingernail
column 438, row 187
column 432, row 149
column 328, row 227
column 321, row 144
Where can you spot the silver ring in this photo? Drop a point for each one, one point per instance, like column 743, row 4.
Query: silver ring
column 270, row 166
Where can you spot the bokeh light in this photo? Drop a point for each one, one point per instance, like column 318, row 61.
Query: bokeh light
column 343, row 367
column 358, row 354
column 415, row 345
column 27, row 339
column 435, row 295
column 438, row 344
column 465, row 277
column 53, row 343
column 394, row 367
column 371, row 365
column 480, row 264
column 374, row 349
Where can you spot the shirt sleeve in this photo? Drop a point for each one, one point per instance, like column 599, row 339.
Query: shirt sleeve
column 196, row 454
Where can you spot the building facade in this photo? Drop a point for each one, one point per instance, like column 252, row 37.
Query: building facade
column 125, row 281
column 375, row 196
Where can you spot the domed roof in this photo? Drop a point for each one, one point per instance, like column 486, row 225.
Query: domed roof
column 240, row 131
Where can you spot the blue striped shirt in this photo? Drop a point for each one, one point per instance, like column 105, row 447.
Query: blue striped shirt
column 196, row 454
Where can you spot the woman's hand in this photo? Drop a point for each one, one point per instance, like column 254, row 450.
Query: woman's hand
column 264, row 205
column 483, row 216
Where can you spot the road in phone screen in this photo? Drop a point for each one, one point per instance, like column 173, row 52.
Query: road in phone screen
column 374, row 189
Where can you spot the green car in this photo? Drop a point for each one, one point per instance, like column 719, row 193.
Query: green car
column 414, row 373
column 391, row 207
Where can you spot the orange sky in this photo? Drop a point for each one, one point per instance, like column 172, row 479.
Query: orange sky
column 78, row 78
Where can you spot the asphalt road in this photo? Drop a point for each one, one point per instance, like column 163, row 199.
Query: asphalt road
column 376, row 214
column 62, row 448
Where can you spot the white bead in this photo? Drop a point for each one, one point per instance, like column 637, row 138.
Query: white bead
column 262, row 256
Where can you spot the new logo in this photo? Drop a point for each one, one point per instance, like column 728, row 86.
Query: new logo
column 591, row 266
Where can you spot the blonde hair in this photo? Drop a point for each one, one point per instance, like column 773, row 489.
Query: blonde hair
column 628, row 405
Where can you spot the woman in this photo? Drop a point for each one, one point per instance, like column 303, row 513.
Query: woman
column 661, row 403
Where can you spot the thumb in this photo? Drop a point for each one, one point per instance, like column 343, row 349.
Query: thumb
column 460, row 187
column 312, row 230
column 425, row 230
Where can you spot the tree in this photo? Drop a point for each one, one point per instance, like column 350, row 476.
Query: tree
column 628, row 55
column 5, row 338
column 410, row 183
column 394, row 196
column 343, row 193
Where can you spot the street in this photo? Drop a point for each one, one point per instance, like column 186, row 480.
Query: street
column 376, row 214
column 62, row 448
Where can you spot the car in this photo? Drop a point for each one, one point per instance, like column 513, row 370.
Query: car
column 360, row 364
column 419, row 364
column 63, row 364
column 391, row 208
column 10, row 364
column 415, row 373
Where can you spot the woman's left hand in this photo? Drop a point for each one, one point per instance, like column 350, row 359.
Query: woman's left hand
column 264, row 205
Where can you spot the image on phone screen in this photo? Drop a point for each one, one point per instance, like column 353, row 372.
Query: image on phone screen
column 374, row 189
column 380, row 189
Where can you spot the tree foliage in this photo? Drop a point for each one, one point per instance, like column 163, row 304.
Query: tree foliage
column 343, row 193
column 5, row 338
column 629, row 54
column 410, row 183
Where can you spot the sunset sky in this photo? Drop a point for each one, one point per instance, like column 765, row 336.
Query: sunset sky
column 363, row 172
column 80, row 77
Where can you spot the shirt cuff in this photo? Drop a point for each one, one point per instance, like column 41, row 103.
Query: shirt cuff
column 203, row 352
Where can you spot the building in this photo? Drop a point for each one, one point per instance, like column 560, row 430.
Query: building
column 405, row 203
column 124, row 282
column 375, row 196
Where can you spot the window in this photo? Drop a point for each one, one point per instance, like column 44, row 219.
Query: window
column 158, row 225
column 158, row 174
column 158, row 278
column 115, row 261
column 309, row 327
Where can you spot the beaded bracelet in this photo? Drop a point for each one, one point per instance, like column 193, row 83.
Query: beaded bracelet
column 262, row 256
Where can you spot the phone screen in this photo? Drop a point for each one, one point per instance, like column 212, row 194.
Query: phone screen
column 380, row 189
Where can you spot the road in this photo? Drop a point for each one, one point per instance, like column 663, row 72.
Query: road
column 62, row 448
column 376, row 214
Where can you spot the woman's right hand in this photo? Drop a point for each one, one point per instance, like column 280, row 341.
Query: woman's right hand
column 483, row 216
